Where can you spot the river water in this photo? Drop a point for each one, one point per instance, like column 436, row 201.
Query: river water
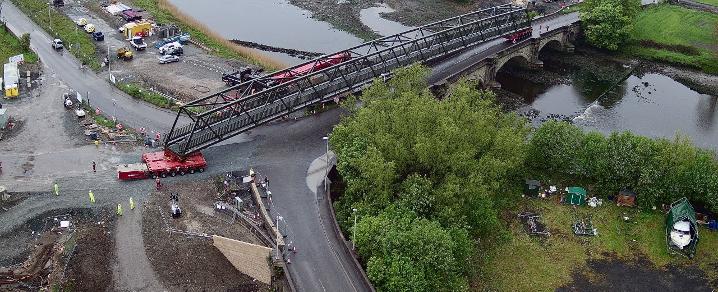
column 647, row 104
column 270, row 22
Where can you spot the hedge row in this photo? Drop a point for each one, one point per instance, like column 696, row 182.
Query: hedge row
column 659, row 170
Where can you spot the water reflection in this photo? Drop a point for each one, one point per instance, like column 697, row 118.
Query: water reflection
column 272, row 22
column 648, row 104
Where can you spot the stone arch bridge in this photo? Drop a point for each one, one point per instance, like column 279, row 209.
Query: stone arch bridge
column 484, row 65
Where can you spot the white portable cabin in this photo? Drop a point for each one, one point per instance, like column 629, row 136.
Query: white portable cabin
column 11, row 77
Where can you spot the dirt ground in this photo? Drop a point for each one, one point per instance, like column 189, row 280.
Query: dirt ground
column 196, row 74
column 613, row 274
column 91, row 266
column 191, row 263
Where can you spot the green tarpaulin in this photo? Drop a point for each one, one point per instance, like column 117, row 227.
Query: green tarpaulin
column 575, row 196
column 682, row 210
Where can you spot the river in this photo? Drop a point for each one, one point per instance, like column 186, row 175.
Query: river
column 649, row 104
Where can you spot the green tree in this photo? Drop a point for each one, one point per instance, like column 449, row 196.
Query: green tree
column 409, row 253
column 607, row 23
column 25, row 42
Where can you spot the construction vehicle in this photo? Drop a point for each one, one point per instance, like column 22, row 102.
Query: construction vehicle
column 124, row 53
column 519, row 35
column 162, row 164
column 138, row 43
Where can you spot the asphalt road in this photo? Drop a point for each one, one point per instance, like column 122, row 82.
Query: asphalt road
column 283, row 151
column 446, row 69
column 102, row 94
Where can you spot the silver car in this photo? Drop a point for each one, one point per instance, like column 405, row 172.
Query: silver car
column 168, row 59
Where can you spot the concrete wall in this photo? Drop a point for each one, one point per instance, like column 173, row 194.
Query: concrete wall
column 250, row 259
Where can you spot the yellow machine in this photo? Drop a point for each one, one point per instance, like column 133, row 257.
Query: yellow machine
column 124, row 53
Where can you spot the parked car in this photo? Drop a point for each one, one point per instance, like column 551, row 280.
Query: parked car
column 177, row 51
column 98, row 36
column 168, row 59
column 90, row 28
column 57, row 44
column 174, row 48
column 81, row 22
column 138, row 43
column 131, row 15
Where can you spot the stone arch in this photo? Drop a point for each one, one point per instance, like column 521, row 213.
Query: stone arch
column 551, row 44
column 523, row 60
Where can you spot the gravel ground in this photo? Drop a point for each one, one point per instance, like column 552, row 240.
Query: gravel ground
column 191, row 263
column 197, row 73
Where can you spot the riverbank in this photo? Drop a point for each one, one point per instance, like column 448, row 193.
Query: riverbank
column 164, row 12
column 676, row 35
column 345, row 15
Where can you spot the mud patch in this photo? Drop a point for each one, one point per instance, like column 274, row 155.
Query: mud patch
column 90, row 268
column 613, row 274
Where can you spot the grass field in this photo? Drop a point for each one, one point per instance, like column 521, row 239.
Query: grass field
column 677, row 26
column 61, row 26
column 709, row 2
column 528, row 263
column 11, row 47
column 164, row 12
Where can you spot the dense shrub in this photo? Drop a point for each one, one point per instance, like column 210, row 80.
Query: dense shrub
column 660, row 170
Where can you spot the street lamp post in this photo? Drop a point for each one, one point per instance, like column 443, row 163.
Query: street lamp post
column 354, row 236
column 326, row 168
column 49, row 18
column 114, row 109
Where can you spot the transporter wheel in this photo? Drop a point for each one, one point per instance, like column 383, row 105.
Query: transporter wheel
column 172, row 174
column 201, row 169
column 181, row 172
column 191, row 170
column 154, row 175
column 164, row 174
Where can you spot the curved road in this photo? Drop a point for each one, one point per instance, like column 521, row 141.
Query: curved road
column 283, row 151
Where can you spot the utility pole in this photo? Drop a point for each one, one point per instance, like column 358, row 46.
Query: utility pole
column 354, row 236
column 326, row 168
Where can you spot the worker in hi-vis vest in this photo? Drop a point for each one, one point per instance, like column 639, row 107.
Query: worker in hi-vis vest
column 119, row 209
column 92, row 197
column 132, row 204
column 57, row 190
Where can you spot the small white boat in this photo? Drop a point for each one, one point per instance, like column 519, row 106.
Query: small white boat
column 681, row 234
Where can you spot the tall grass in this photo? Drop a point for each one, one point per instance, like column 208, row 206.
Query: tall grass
column 165, row 12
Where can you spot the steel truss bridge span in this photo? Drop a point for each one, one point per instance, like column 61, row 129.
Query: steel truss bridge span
column 222, row 115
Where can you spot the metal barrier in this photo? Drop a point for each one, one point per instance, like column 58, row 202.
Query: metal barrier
column 232, row 111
